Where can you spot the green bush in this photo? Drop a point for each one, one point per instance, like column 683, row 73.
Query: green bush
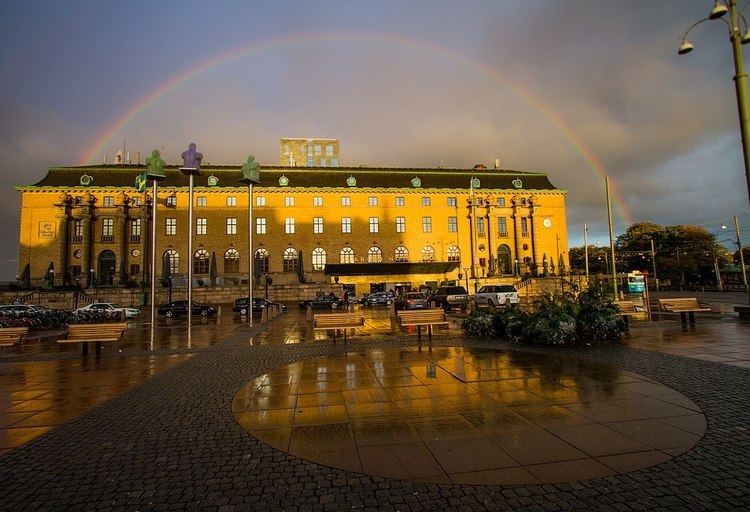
column 510, row 322
column 553, row 321
column 597, row 316
column 479, row 323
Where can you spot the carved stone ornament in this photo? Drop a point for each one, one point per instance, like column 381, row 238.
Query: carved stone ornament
column 351, row 181
column 517, row 183
column 416, row 182
column 86, row 180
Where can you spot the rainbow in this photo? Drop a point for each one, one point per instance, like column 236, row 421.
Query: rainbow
column 109, row 134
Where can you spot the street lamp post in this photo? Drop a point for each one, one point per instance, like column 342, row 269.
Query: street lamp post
column 721, row 8
column 191, row 166
column 250, row 176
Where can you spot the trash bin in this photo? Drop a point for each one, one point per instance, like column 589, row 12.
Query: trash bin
column 144, row 298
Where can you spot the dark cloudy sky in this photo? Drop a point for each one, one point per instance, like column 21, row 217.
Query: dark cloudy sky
column 542, row 85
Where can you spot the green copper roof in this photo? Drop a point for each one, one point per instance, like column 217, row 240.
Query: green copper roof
column 307, row 177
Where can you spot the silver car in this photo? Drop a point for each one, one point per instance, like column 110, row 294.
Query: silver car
column 496, row 295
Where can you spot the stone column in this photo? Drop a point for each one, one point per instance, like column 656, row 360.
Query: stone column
column 532, row 227
column 516, row 234
column 87, row 229
column 490, row 247
column 62, row 269
column 122, row 225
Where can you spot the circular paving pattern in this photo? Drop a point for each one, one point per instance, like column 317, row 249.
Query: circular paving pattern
column 469, row 416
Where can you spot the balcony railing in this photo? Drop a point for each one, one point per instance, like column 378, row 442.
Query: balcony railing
column 135, row 238
column 76, row 239
column 503, row 234
column 107, row 239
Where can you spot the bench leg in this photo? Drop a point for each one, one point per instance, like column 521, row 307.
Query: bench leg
column 98, row 348
column 683, row 318
column 419, row 332
column 85, row 348
column 345, row 335
column 429, row 332
column 692, row 318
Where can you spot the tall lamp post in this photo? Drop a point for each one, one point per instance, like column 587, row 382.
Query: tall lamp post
column 191, row 167
column 154, row 172
column 737, row 38
column 250, row 176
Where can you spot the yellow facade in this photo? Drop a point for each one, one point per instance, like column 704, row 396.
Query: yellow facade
column 430, row 223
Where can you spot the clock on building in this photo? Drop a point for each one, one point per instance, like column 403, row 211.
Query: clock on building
column 547, row 223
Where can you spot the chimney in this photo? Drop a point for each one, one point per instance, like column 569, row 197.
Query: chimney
column 497, row 163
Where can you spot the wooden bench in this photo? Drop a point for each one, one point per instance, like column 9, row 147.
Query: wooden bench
column 626, row 309
column 684, row 306
column 336, row 321
column 97, row 333
column 420, row 318
column 9, row 336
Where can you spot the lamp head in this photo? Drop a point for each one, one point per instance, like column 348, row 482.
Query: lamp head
column 718, row 11
column 745, row 37
column 685, row 47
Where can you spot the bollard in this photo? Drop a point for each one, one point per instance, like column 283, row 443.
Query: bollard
column 264, row 315
column 309, row 314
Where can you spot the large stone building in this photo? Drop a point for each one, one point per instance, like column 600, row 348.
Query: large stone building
column 308, row 152
column 372, row 228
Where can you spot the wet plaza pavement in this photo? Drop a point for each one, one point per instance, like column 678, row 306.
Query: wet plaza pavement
column 249, row 418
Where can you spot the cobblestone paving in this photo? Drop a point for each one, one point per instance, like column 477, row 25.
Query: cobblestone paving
column 173, row 443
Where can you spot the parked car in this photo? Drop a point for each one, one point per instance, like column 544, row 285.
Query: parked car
column 449, row 297
column 379, row 299
column 21, row 308
column 108, row 307
column 322, row 302
column 412, row 300
column 179, row 307
column 240, row 305
column 496, row 295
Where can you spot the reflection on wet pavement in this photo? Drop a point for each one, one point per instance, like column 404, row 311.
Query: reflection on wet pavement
column 464, row 415
column 37, row 396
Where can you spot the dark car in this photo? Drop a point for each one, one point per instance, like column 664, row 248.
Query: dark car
column 179, row 307
column 379, row 299
column 322, row 302
column 449, row 297
column 412, row 300
column 240, row 305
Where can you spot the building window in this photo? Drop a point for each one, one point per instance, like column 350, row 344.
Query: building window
column 502, row 226
column 231, row 261
column 346, row 224
column 334, row 162
column 451, row 201
column 290, row 260
column 171, row 226
column 426, row 224
column 171, row 201
column 201, row 262
column 78, row 227
column 108, row 201
column 323, row 162
column 317, row 225
column 318, row 201
column 452, row 224
column 478, row 202
column 309, row 150
column 310, row 162
column 524, row 226
column 425, row 201
column 373, row 224
column 137, row 200
column 261, row 261
column 346, row 201
column 201, row 226
column 480, row 228
column 347, row 255
column 231, row 201
column 402, row 254
column 135, row 230
column 108, row 226
column 260, row 225
column 329, row 150
column 135, row 269
column 453, row 253
column 428, row 253
column 374, row 255
column 260, row 201
column 400, row 224
column 318, row 258
column 400, row 201
column 317, row 150
column 289, row 225
column 75, row 270
column 289, row 201
column 231, row 226
column 372, row 201
column 501, row 201
column 201, row 201
column 174, row 261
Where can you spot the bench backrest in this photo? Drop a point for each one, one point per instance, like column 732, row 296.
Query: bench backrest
column 13, row 332
column 677, row 304
column 625, row 306
column 424, row 315
column 338, row 319
column 97, row 329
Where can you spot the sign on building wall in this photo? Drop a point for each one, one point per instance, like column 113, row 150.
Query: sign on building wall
column 46, row 229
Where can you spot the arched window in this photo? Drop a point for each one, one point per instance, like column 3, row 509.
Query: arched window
column 318, row 258
column 428, row 253
column 231, row 261
column 347, row 255
column 402, row 254
column 290, row 260
column 453, row 253
column 504, row 260
column 201, row 262
column 261, row 261
column 174, row 260
column 374, row 255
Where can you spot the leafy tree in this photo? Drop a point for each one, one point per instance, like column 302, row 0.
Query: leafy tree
column 598, row 260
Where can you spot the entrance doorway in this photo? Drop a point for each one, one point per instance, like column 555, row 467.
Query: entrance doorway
column 106, row 267
column 504, row 264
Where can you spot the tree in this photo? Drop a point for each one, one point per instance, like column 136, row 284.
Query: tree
column 598, row 260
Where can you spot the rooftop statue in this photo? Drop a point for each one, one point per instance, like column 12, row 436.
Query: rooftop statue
column 192, row 158
column 155, row 165
column 250, row 171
